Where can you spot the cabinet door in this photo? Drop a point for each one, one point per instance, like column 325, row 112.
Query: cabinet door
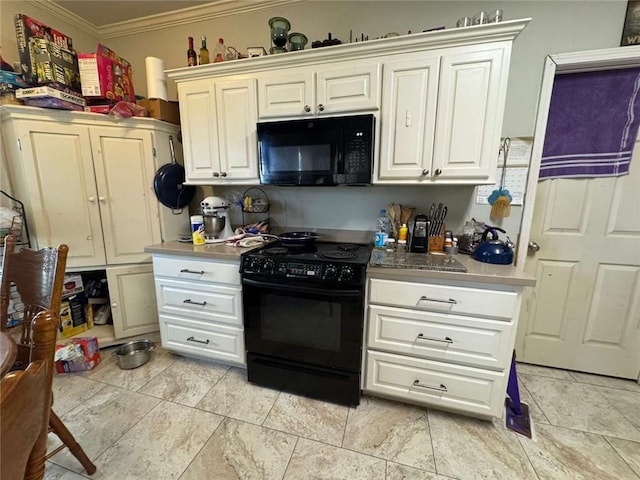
column 237, row 113
column 470, row 109
column 124, row 167
column 286, row 94
column 410, row 91
column 62, row 191
column 199, row 130
column 133, row 300
column 351, row 88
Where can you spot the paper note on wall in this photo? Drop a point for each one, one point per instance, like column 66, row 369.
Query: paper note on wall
column 515, row 180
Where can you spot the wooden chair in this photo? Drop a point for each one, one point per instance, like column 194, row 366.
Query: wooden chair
column 25, row 405
column 38, row 277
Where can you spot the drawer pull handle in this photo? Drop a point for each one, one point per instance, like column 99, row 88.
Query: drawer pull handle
column 191, row 302
column 192, row 339
column 427, row 299
column 444, row 340
column 441, row 388
column 186, row 270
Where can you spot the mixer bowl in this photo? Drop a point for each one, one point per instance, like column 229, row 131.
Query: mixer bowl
column 213, row 226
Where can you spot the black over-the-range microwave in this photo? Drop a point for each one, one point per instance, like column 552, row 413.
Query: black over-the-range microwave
column 320, row 151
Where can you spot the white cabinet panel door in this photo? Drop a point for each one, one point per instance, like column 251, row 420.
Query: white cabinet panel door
column 58, row 163
column 237, row 112
column 286, row 94
column 124, row 169
column 133, row 300
column 584, row 313
column 350, row 88
column 199, row 129
column 470, row 109
column 410, row 91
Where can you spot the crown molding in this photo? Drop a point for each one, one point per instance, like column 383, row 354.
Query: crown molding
column 65, row 15
column 208, row 11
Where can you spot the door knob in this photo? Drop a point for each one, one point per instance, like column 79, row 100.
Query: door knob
column 438, row 171
column 533, row 248
column 321, row 107
column 307, row 108
column 425, row 172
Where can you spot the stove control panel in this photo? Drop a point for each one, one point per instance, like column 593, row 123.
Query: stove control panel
column 327, row 272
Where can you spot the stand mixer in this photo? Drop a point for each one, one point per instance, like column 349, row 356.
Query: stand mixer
column 217, row 227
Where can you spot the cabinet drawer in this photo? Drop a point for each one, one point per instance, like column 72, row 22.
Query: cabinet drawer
column 451, row 338
column 186, row 268
column 207, row 302
column 430, row 383
column 218, row 342
column 444, row 298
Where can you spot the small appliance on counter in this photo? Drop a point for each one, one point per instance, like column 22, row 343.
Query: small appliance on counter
column 217, row 227
column 420, row 239
column 494, row 251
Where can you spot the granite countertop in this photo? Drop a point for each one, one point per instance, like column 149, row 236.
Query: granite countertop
column 415, row 265
column 218, row 251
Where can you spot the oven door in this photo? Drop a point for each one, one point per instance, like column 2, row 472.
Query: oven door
column 310, row 325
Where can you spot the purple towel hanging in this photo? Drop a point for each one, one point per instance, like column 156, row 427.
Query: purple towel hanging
column 592, row 125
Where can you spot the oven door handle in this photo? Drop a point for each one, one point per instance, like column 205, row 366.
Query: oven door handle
column 297, row 288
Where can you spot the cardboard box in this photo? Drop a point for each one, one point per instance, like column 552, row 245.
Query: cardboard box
column 106, row 75
column 52, row 64
column 162, row 110
column 75, row 317
column 72, row 285
column 28, row 29
column 77, row 355
column 49, row 97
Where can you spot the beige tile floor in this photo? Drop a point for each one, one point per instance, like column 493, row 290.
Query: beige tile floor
column 179, row 418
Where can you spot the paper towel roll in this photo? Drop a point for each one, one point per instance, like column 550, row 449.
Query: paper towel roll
column 156, row 78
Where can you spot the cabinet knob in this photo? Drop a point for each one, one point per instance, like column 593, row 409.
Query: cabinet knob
column 321, row 107
column 216, row 174
column 438, row 172
column 114, row 305
column 89, row 237
column 92, row 199
column 307, row 108
column 425, row 172
column 223, row 174
column 102, row 199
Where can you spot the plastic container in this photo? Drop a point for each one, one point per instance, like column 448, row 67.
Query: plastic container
column 197, row 229
column 220, row 51
column 390, row 246
column 402, row 249
column 403, row 232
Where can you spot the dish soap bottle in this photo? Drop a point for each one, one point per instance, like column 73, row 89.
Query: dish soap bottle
column 220, row 49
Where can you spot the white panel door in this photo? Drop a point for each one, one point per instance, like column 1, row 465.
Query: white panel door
column 410, row 92
column 237, row 112
column 584, row 313
column 469, row 114
column 124, row 167
column 199, row 130
column 351, row 88
column 62, row 190
column 286, row 94
column 133, row 300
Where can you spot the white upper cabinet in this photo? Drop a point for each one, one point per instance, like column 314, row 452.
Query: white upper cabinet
column 219, row 131
column 351, row 87
column 438, row 99
column 442, row 116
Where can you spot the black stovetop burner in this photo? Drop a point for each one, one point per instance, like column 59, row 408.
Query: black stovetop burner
column 317, row 251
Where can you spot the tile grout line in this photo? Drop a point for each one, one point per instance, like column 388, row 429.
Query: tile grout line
column 204, row 444
column 433, row 448
column 533, row 467
column 284, row 474
column 614, row 406
column 537, row 404
column 607, row 440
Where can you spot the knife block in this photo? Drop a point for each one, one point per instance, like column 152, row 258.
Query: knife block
column 436, row 242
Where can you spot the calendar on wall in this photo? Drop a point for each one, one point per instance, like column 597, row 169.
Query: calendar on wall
column 515, row 179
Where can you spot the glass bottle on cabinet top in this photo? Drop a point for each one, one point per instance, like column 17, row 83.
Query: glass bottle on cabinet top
column 204, row 52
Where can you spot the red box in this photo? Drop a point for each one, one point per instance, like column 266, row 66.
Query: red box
column 77, row 355
column 106, row 75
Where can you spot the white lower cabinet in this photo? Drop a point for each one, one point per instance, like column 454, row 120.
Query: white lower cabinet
column 199, row 303
column 441, row 344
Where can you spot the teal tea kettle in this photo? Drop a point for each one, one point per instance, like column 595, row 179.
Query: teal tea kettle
column 494, row 250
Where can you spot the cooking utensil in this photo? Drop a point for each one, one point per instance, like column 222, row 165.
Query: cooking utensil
column 133, row 354
column 500, row 199
column 168, row 183
column 405, row 214
column 297, row 239
column 494, row 250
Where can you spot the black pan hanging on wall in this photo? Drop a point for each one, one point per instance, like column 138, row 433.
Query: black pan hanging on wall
column 168, row 184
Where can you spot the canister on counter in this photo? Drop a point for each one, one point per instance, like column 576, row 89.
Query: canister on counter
column 197, row 229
